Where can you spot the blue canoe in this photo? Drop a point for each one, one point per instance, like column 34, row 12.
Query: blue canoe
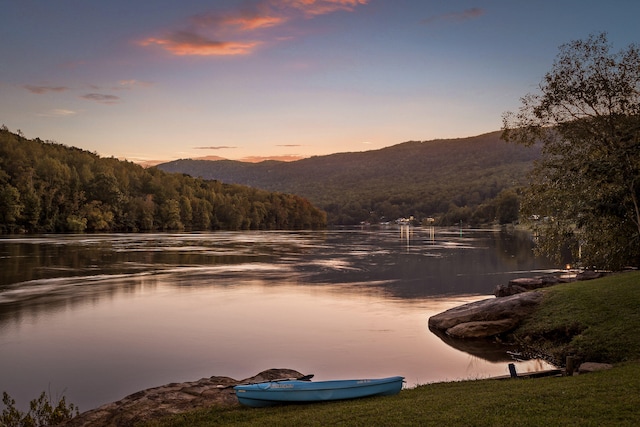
column 296, row 391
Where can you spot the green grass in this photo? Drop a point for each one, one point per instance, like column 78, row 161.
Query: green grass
column 596, row 321
column 609, row 398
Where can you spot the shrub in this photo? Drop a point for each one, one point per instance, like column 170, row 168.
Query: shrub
column 41, row 412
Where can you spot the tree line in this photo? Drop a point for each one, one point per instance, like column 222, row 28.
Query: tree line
column 49, row 187
column 475, row 180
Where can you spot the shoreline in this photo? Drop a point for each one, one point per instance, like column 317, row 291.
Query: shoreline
column 172, row 399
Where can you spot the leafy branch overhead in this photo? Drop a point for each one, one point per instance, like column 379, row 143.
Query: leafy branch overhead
column 585, row 190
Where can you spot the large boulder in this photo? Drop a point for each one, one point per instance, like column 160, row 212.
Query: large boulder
column 172, row 399
column 482, row 329
column 524, row 284
column 486, row 318
column 590, row 275
column 593, row 367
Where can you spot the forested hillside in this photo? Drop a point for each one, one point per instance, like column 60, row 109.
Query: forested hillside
column 473, row 180
column 48, row 187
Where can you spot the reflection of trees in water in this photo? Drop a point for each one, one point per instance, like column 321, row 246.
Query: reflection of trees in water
column 439, row 263
column 493, row 352
column 515, row 248
column 71, row 294
column 35, row 260
column 419, row 263
column 57, row 273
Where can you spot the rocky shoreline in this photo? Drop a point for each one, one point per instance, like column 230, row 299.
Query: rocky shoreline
column 496, row 316
column 172, row 399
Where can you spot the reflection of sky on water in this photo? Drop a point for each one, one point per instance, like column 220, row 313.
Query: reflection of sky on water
column 106, row 315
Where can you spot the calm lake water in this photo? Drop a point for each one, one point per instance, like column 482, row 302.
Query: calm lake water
column 98, row 317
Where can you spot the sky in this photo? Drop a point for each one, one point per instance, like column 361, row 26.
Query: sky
column 158, row 80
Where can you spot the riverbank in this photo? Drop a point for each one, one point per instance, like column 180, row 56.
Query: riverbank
column 607, row 398
column 595, row 321
column 592, row 321
column 171, row 399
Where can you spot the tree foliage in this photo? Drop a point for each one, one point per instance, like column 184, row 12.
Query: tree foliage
column 450, row 180
column 48, row 187
column 584, row 190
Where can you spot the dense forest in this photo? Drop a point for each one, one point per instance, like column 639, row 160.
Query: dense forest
column 474, row 180
column 49, row 187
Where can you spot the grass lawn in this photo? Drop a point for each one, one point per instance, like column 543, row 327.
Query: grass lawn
column 608, row 398
column 596, row 320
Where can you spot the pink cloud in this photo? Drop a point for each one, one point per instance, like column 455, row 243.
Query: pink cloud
column 245, row 20
column 242, row 31
column 256, row 22
column 184, row 43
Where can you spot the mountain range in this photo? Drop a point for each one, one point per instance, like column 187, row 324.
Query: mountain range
column 449, row 180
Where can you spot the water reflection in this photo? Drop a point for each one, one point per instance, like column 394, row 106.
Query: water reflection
column 103, row 316
column 480, row 348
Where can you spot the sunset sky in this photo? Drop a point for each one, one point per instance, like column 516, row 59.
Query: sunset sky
column 242, row 79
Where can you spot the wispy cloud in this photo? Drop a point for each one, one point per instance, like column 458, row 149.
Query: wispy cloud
column 215, row 147
column 462, row 16
column 322, row 7
column 183, row 43
column 242, row 31
column 39, row 90
column 131, row 84
column 281, row 158
column 210, row 158
column 246, row 19
column 101, row 98
column 289, row 145
column 58, row 112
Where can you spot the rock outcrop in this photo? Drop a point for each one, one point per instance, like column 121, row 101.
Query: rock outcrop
column 593, row 367
column 590, row 275
column 514, row 301
column 486, row 318
column 524, row 284
column 172, row 399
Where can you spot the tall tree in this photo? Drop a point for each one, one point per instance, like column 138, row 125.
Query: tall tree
column 585, row 189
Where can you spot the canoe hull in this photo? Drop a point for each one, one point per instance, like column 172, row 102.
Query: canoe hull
column 295, row 391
